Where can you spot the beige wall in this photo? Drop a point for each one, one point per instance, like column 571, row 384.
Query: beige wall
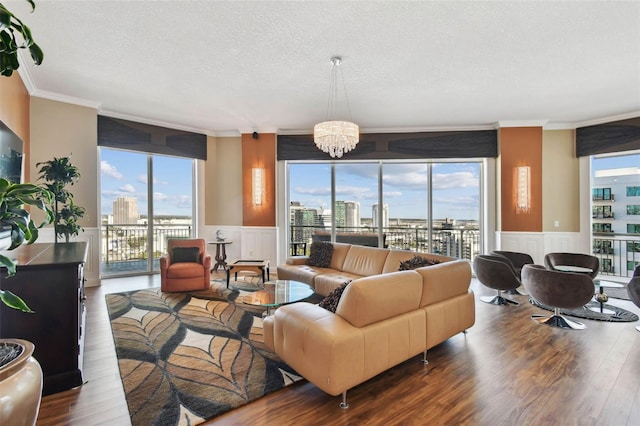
column 560, row 182
column 223, row 181
column 58, row 130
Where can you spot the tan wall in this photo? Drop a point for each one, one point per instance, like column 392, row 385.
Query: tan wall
column 58, row 130
column 14, row 112
column 223, row 181
column 560, row 182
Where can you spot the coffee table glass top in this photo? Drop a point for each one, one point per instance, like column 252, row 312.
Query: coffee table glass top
column 277, row 293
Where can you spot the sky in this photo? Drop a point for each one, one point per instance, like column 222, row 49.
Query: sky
column 124, row 174
column 456, row 188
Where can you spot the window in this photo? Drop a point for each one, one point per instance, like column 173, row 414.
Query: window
column 602, row 194
column 633, row 247
column 633, row 191
column 633, row 210
column 601, row 227
column 145, row 199
column 633, row 228
column 606, row 266
column 631, row 265
column 419, row 206
column 602, row 247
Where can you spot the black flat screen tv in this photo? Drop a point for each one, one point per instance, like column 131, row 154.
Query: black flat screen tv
column 11, row 150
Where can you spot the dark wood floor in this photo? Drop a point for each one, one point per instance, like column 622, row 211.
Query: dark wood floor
column 507, row 370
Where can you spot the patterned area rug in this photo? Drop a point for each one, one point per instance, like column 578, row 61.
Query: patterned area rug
column 187, row 357
column 620, row 315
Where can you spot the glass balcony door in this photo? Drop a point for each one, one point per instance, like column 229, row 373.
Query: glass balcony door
column 144, row 200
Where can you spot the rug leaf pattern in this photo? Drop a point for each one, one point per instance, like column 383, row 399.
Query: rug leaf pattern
column 187, row 357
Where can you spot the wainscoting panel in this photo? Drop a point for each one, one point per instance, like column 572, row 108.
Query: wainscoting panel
column 91, row 236
column 537, row 244
column 249, row 242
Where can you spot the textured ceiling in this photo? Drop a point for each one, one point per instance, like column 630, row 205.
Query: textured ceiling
column 239, row 66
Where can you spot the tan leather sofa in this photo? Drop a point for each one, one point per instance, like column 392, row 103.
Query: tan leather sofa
column 348, row 262
column 381, row 321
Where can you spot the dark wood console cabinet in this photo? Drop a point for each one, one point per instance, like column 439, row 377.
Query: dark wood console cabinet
column 50, row 280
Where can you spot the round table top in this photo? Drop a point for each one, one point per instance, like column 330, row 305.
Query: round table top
column 612, row 284
column 573, row 268
column 279, row 292
column 220, row 242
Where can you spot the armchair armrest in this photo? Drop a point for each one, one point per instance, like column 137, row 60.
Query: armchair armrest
column 165, row 261
column 206, row 261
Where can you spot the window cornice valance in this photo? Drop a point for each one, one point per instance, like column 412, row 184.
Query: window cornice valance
column 388, row 146
column 129, row 135
column 623, row 135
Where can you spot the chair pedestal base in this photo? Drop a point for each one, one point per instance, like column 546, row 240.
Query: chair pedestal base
column 498, row 300
column 557, row 320
column 516, row 292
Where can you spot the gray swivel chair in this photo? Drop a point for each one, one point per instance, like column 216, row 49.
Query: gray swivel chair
column 633, row 288
column 573, row 259
column 518, row 260
column 560, row 290
column 497, row 273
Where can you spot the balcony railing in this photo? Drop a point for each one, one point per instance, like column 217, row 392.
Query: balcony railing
column 618, row 253
column 462, row 243
column 125, row 247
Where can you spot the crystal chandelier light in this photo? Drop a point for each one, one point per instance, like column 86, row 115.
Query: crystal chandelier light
column 336, row 137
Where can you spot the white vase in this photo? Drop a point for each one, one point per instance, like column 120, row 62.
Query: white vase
column 20, row 387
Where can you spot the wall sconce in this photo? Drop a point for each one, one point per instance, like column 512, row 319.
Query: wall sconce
column 522, row 189
column 257, row 185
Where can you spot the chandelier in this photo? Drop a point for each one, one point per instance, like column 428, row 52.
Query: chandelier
column 336, row 137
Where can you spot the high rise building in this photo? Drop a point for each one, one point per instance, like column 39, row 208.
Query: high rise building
column 352, row 214
column 125, row 211
column 339, row 210
column 385, row 215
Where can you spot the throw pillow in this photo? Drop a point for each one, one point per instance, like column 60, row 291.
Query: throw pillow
column 330, row 303
column 185, row 254
column 320, row 254
column 417, row 262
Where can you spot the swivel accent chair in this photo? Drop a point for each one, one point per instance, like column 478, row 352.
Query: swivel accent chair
column 518, row 260
column 633, row 288
column 551, row 260
column 496, row 272
column 560, row 290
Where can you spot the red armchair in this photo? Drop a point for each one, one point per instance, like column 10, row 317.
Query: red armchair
column 186, row 266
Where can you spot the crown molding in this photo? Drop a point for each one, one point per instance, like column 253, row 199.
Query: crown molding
column 45, row 94
column 27, row 80
column 522, row 123
column 625, row 116
column 160, row 123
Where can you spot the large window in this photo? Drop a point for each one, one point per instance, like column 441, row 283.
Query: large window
column 615, row 212
column 145, row 199
column 420, row 206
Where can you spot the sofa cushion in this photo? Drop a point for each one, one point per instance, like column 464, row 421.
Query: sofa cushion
column 371, row 299
column 330, row 303
column 325, row 283
column 185, row 254
column 320, row 254
column 302, row 273
column 444, row 281
column 365, row 261
column 417, row 262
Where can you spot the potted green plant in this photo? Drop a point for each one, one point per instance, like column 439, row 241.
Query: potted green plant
column 20, row 372
column 58, row 174
column 10, row 26
column 17, row 224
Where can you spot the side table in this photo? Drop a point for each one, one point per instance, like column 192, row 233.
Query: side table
column 221, row 254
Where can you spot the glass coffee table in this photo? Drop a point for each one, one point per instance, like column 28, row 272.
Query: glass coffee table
column 277, row 293
column 601, row 297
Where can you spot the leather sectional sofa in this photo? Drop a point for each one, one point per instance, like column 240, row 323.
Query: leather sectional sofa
column 381, row 320
column 348, row 262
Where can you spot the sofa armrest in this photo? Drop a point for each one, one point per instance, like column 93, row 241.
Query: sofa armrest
column 297, row 260
column 206, row 261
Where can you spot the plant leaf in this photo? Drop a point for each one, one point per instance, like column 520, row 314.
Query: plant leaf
column 13, row 301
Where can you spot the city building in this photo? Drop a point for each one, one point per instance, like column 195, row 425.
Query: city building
column 375, row 215
column 125, row 211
